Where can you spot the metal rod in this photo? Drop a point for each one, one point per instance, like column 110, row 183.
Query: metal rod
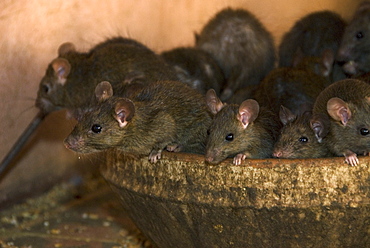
column 22, row 140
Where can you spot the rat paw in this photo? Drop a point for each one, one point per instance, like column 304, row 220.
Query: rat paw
column 174, row 148
column 351, row 159
column 154, row 156
column 238, row 158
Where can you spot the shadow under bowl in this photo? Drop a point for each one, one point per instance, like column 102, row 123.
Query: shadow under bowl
column 181, row 201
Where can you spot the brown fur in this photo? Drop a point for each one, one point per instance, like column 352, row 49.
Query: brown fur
column 344, row 139
column 254, row 141
column 116, row 60
column 167, row 114
column 297, row 139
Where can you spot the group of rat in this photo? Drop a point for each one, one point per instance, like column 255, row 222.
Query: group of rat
column 233, row 94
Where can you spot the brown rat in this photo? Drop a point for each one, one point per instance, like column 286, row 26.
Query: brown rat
column 317, row 34
column 347, row 104
column 323, row 65
column 291, row 87
column 296, row 87
column 71, row 78
column 354, row 50
column 196, row 68
column 242, row 47
column 239, row 131
column 297, row 139
column 165, row 115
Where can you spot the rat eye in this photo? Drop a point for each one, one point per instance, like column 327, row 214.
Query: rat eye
column 208, row 132
column 96, row 128
column 303, row 139
column 229, row 137
column 45, row 88
column 364, row 131
column 359, row 35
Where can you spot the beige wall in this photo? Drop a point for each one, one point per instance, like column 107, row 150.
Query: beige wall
column 32, row 30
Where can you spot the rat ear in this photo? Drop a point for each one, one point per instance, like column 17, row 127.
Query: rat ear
column 66, row 48
column 286, row 116
column 338, row 110
column 363, row 6
column 248, row 112
column 61, row 69
column 124, row 111
column 103, row 91
column 213, row 102
column 320, row 124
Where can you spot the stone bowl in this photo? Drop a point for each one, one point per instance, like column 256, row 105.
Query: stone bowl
column 181, row 201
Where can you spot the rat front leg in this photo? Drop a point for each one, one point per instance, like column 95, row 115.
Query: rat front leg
column 351, row 158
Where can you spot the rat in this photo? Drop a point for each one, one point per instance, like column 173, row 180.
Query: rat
column 354, row 51
column 347, row 104
column 317, row 34
column 164, row 115
column 324, row 65
column 196, row 68
column 70, row 79
column 239, row 131
column 291, row 87
column 241, row 45
column 297, row 138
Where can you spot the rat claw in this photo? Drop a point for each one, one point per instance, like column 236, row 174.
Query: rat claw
column 154, row 156
column 238, row 159
column 174, row 148
column 352, row 159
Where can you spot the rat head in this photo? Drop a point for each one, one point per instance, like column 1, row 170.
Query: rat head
column 354, row 51
column 50, row 96
column 351, row 123
column 231, row 131
column 297, row 139
column 105, row 125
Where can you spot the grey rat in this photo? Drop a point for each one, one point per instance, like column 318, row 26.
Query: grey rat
column 196, row 68
column 354, row 51
column 71, row 78
column 165, row 115
column 317, row 34
column 297, row 138
column 347, row 104
column 241, row 45
column 239, row 131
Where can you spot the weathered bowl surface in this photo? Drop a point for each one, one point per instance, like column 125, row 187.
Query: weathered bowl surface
column 183, row 202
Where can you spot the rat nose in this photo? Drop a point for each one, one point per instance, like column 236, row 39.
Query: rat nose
column 209, row 159
column 277, row 154
column 73, row 143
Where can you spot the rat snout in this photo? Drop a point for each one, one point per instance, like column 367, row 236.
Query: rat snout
column 347, row 60
column 350, row 67
column 209, row 158
column 213, row 156
column 73, row 143
column 277, row 153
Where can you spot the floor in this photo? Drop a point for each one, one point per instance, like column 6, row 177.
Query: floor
column 74, row 214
